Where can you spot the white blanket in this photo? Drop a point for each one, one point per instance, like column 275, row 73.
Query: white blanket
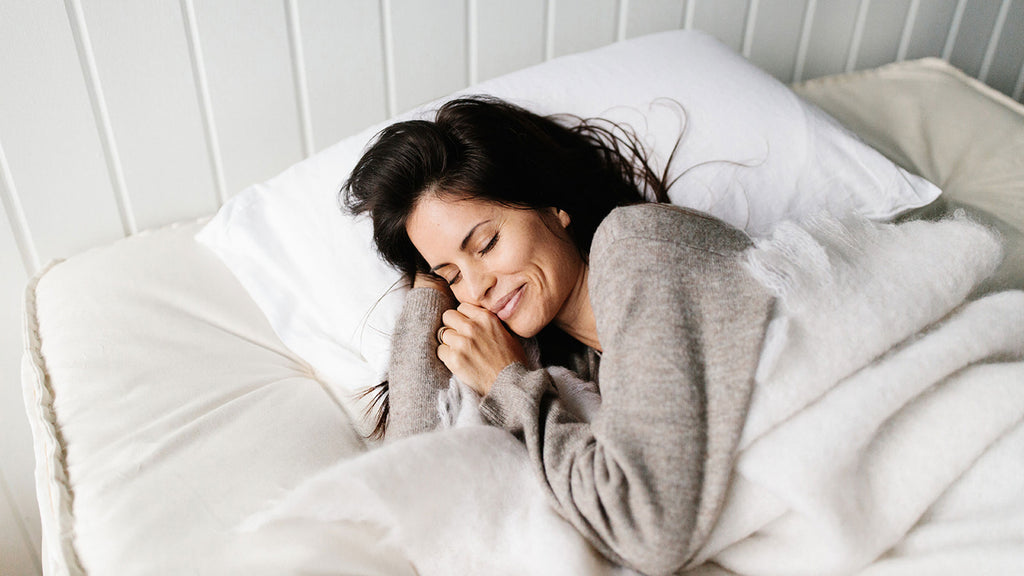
column 886, row 436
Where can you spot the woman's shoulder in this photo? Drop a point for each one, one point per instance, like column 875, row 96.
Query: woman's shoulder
column 659, row 223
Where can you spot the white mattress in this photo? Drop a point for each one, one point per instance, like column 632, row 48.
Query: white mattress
column 165, row 410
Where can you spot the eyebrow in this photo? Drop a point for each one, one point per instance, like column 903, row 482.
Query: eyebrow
column 462, row 247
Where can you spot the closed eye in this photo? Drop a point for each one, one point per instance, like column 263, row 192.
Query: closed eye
column 490, row 245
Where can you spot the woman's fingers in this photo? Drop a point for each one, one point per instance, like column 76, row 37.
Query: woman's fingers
column 475, row 346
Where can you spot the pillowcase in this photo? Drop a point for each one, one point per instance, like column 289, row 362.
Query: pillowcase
column 751, row 153
column 949, row 127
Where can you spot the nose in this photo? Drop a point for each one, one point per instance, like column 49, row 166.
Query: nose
column 476, row 286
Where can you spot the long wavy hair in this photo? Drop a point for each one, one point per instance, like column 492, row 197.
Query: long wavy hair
column 484, row 148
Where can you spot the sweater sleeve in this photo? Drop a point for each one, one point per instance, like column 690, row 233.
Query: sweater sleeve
column 644, row 480
column 415, row 374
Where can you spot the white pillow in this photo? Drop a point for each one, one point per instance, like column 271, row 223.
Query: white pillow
column 759, row 154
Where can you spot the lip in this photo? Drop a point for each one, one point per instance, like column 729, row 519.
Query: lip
column 504, row 308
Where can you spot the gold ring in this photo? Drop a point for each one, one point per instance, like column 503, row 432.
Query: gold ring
column 440, row 334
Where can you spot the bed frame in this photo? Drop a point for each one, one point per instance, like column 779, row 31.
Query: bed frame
column 117, row 117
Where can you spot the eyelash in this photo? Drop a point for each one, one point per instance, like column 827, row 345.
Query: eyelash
column 484, row 250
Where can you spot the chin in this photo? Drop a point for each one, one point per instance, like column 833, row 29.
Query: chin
column 524, row 329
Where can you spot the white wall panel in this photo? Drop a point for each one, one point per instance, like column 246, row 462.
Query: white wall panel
column 16, row 557
column 882, row 32
column 650, row 16
column 831, row 34
column 584, row 24
column 776, row 36
column 510, row 35
column 931, row 27
column 430, row 50
column 1009, row 57
column 725, row 19
column 344, row 59
column 143, row 61
column 252, row 87
column 49, row 132
column 972, row 39
column 19, row 523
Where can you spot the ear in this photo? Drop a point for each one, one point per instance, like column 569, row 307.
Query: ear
column 563, row 217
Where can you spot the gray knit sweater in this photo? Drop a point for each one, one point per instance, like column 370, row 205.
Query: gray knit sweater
column 680, row 322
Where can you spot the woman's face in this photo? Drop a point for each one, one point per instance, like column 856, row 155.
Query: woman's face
column 519, row 264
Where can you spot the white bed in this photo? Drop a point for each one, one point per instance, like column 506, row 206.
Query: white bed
column 166, row 407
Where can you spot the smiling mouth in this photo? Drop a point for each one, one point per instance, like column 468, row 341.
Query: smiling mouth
column 507, row 305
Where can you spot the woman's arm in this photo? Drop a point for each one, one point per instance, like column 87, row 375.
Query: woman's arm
column 680, row 323
column 416, row 374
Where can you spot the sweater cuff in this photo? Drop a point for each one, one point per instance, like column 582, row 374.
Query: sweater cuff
column 514, row 398
column 427, row 302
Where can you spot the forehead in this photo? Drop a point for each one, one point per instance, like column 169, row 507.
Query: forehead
column 440, row 214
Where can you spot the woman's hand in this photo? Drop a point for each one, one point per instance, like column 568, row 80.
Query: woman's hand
column 476, row 347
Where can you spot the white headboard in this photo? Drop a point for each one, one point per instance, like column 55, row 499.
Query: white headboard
column 122, row 115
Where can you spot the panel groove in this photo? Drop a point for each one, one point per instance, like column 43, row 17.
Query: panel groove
column 1019, row 88
column 102, row 116
column 388, row 41
column 299, row 75
column 16, row 218
column 195, row 52
column 858, row 35
column 749, row 26
column 472, row 42
column 908, row 30
column 954, row 29
column 805, row 40
column 549, row 30
column 623, row 17
column 691, row 8
column 22, row 530
column 993, row 40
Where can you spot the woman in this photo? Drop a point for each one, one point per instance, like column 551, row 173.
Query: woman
column 513, row 226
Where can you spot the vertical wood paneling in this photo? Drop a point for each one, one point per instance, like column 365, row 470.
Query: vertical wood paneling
column 252, row 88
column 806, row 24
column 298, row 57
column 344, row 67
column 857, row 36
column 16, row 556
column 429, row 48
column 724, row 19
column 19, row 515
column 142, row 59
column 776, row 36
column 200, row 77
column 832, row 31
column 21, row 236
column 49, row 132
column 650, row 16
column 101, row 113
column 883, row 29
column 510, row 35
column 972, row 38
column 387, row 42
column 472, row 41
column 584, row 25
column 1009, row 54
column 908, row 30
column 934, row 17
